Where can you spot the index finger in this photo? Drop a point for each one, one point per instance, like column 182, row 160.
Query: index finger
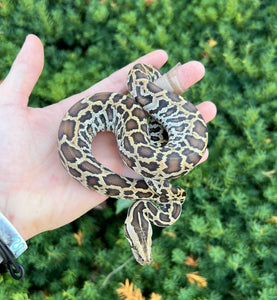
column 116, row 82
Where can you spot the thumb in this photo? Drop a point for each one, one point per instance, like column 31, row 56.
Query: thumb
column 24, row 73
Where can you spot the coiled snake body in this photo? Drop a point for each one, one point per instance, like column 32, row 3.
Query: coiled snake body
column 164, row 146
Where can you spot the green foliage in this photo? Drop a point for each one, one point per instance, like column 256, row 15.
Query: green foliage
column 227, row 220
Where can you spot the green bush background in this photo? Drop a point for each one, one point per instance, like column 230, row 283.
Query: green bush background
column 230, row 198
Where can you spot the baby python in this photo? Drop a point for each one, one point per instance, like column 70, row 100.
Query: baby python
column 160, row 135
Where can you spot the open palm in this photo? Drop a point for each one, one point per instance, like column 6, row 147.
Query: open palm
column 36, row 193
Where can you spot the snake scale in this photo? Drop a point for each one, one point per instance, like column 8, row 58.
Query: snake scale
column 160, row 135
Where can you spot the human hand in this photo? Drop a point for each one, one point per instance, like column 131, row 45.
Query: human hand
column 36, row 192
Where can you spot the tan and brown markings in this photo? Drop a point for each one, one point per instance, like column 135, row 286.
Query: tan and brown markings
column 166, row 146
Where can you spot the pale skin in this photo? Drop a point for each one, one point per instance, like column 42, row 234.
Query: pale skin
column 36, row 193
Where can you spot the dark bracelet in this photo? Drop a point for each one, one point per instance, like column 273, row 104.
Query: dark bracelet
column 11, row 246
column 16, row 270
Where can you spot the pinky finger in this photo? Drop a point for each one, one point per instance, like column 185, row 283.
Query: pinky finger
column 204, row 157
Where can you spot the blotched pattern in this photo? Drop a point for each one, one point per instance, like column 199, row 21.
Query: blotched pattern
column 160, row 135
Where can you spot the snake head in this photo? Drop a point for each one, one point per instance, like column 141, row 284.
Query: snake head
column 140, row 244
column 138, row 232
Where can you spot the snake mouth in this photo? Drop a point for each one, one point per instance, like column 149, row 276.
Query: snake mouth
column 145, row 260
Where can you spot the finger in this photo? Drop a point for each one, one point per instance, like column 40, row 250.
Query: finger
column 204, row 157
column 24, row 72
column 116, row 82
column 208, row 110
column 190, row 73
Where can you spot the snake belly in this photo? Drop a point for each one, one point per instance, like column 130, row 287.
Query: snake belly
column 160, row 135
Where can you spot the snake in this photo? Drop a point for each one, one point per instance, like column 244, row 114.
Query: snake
column 160, row 135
